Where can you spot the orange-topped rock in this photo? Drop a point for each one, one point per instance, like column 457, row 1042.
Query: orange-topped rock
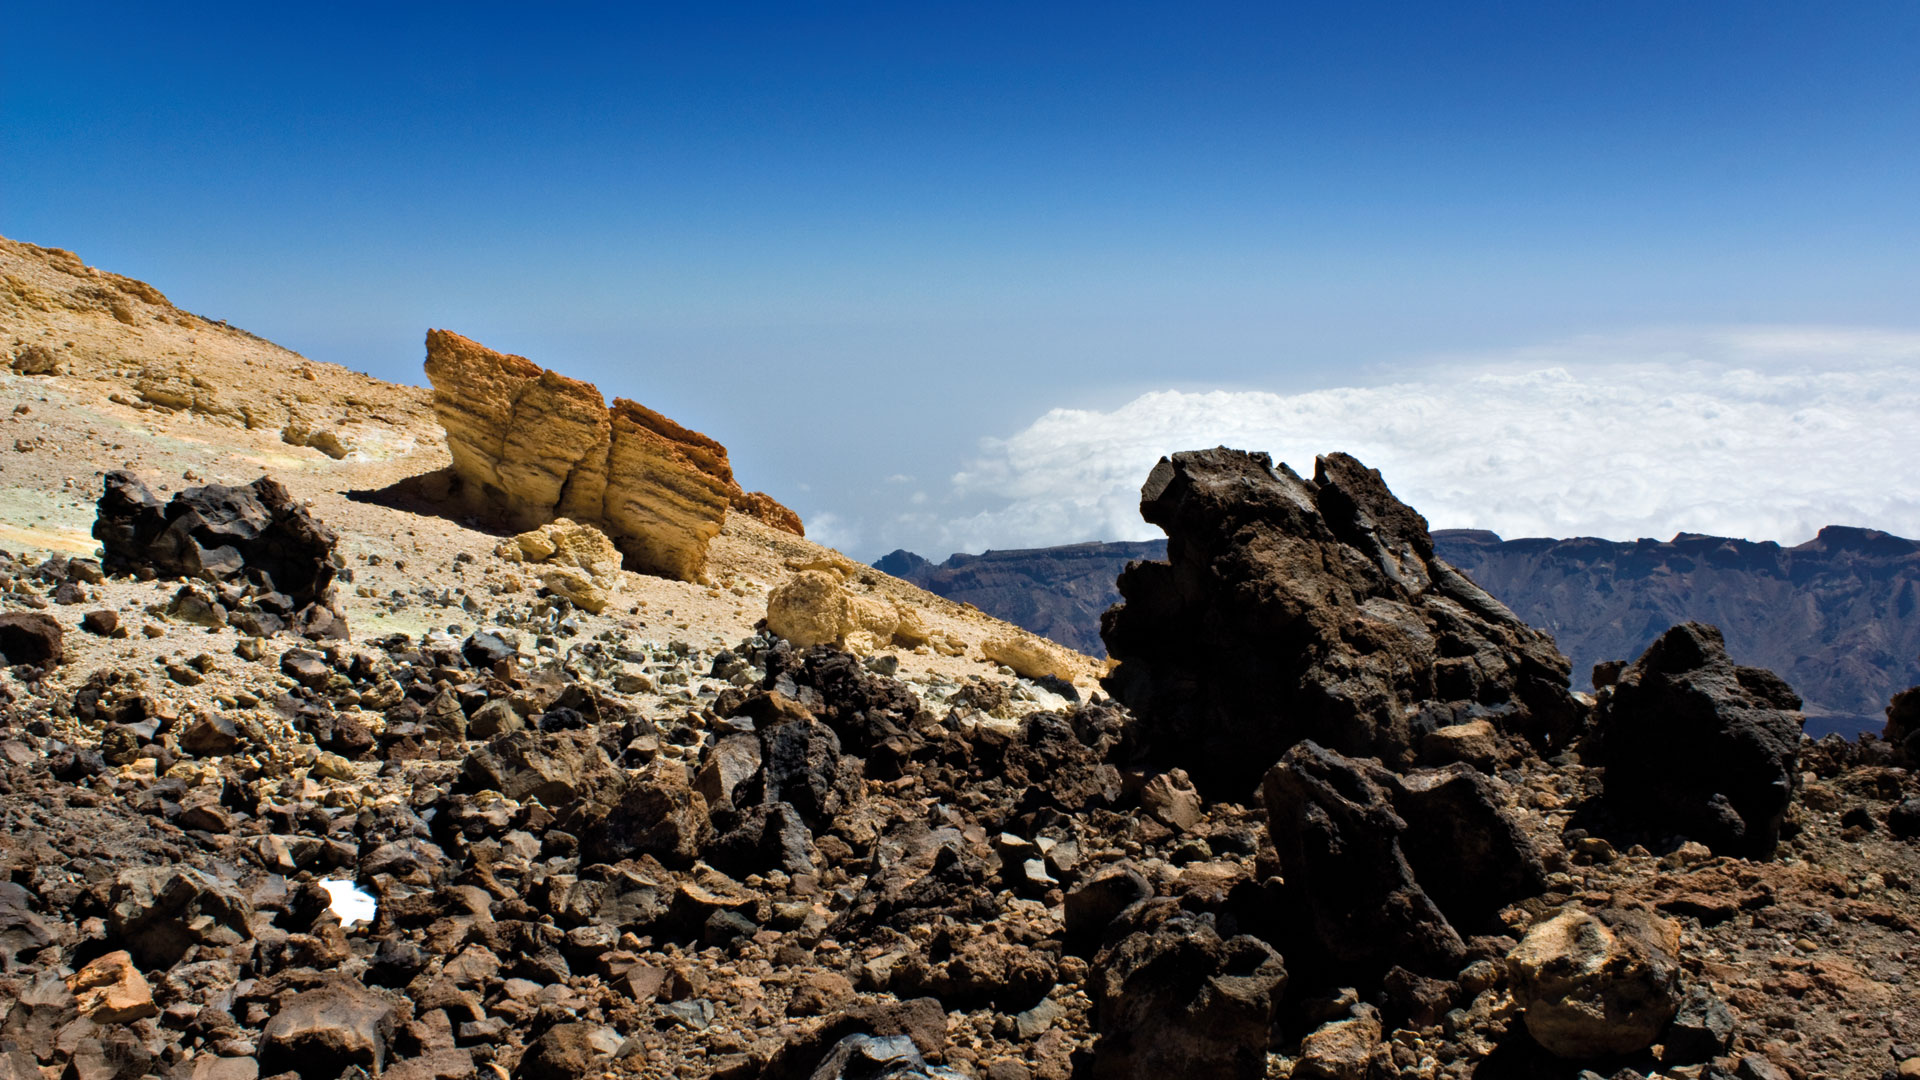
column 533, row 445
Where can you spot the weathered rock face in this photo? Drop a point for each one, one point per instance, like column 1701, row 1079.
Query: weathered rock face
column 658, row 814
column 1697, row 745
column 254, row 536
column 1595, row 984
column 1293, row 609
column 161, row 912
column 1832, row 616
column 534, row 445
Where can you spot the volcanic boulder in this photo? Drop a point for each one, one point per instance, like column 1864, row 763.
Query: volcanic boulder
column 1597, row 983
column 1292, row 609
column 1699, row 746
column 1177, row 999
column 1357, row 903
column 324, row 1031
column 256, row 536
column 534, row 445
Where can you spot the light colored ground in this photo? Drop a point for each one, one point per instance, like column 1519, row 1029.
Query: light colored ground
column 125, row 358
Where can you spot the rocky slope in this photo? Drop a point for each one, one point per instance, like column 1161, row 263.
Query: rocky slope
column 609, row 824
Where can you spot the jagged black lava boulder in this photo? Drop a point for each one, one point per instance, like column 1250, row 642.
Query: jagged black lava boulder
column 1698, row 746
column 255, row 536
column 1292, row 609
column 1387, row 870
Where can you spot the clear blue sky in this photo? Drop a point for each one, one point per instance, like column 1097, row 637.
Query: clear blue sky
column 851, row 240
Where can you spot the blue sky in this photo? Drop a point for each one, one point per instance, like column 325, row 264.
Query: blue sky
column 855, row 241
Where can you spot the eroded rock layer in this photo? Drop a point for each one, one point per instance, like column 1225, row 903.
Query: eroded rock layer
column 533, row 445
column 1292, row 609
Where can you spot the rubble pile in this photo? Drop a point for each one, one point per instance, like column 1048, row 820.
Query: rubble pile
column 580, row 852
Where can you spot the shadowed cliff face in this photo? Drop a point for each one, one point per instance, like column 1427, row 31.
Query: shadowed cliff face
column 1835, row 616
column 1838, row 616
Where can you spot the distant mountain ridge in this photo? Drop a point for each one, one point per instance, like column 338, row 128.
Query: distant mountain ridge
column 1056, row 592
column 1838, row 616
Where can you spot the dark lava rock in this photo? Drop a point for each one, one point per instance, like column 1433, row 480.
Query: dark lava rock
column 322, row 1032
column 101, row 623
column 1354, row 896
column 1092, row 907
column 566, row 1052
column 161, row 912
column 1703, row 1028
column 658, row 813
column 1177, row 999
column 488, row 647
column 869, row 1057
column 1904, row 820
column 1292, row 609
column 1466, row 852
column 553, row 767
column 1903, row 725
column 1699, row 746
column 29, row 637
column 921, row 1021
column 22, row 931
column 211, row 736
column 255, row 534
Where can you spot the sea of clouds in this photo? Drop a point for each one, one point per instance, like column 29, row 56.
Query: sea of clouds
column 1764, row 433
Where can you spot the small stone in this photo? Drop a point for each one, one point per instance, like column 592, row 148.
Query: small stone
column 306, row 667
column 1171, row 799
column 496, row 717
column 101, row 623
column 1703, row 1028
column 1340, row 1050
column 211, row 736
column 110, row 990
column 31, row 638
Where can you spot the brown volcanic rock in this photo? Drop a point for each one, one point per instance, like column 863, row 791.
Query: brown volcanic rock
column 536, row 445
column 1293, row 609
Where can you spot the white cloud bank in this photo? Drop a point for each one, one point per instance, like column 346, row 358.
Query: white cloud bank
column 1765, row 433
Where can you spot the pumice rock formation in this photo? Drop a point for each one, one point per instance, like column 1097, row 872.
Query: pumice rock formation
column 1291, row 609
column 533, row 445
